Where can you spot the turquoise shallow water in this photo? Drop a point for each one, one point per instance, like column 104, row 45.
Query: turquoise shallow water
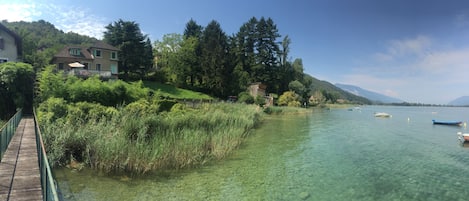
column 328, row 155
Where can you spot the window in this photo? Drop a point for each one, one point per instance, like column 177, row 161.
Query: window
column 61, row 66
column 114, row 55
column 98, row 67
column 75, row 51
column 2, row 44
column 3, row 60
column 97, row 53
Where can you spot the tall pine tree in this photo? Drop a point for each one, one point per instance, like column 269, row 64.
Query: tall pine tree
column 257, row 53
column 214, row 46
column 127, row 36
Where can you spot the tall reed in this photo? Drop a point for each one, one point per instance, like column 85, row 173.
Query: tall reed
column 140, row 143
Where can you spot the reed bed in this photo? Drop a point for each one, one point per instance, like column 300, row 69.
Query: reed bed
column 139, row 143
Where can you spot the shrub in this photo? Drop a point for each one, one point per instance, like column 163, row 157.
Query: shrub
column 273, row 110
column 141, row 107
column 260, row 100
column 84, row 111
column 245, row 97
column 178, row 107
column 165, row 105
column 73, row 89
column 289, row 98
column 52, row 109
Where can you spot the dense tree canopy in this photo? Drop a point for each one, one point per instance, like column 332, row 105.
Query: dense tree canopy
column 16, row 88
column 135, row 53
column 202, row 58
column 208, row 60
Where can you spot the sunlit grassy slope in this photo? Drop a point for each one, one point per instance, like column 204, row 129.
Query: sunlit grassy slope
column 174, row 92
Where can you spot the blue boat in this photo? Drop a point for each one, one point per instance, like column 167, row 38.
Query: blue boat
column 449, row 123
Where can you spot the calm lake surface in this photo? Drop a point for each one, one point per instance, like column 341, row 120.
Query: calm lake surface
column 327, row 155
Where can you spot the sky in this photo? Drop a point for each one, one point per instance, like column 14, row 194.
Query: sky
column 414, row 50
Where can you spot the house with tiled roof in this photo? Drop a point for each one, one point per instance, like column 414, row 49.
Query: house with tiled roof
column 10, row 45
column 84, row 61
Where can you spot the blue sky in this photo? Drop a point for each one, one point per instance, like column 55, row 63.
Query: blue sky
column 414, row 50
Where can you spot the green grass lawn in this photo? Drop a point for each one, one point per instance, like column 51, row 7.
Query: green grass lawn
column 174, row 92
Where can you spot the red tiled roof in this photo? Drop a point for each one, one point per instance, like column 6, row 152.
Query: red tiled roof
column 102, row 45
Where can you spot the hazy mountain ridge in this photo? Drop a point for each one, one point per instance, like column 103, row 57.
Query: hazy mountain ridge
column 319, row 85
column 373, row 96
column 461, row 101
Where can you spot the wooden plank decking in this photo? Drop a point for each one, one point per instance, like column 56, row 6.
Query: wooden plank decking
column 19, row 169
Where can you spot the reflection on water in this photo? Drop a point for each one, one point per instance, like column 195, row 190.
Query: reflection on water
column 329, row 155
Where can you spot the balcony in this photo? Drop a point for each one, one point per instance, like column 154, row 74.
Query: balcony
column 88, row 73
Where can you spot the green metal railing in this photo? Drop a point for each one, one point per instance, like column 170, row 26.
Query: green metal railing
column 7, row 132
column 49, row 189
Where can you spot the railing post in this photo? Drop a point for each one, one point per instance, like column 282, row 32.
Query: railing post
column 8, row 130
column 49, row 191
column 3, row 140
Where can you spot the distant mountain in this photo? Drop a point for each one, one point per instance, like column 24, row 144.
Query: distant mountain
column 319, row 85
column 375, row 97
column 461, row 101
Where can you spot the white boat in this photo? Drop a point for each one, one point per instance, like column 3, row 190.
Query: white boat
column 382, row 114
column 464, row 137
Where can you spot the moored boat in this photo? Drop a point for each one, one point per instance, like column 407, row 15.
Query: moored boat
column 449, row 123
column 463, row 137
column 382, row 114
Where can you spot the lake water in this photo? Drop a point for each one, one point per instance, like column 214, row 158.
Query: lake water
column 328, row 155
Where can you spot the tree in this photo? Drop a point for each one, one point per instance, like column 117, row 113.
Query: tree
column 330, row 96
column 127, row 36
column 50, row 84
column 297, row 87
column 193, row 29
column 289, row 98
column 193, row 33
column 214, row 44
column 285, row 50
column 286, row 70
column 242, row 46
column 267, row 51
column 257, row 52
column 317, row 98
column 181, row 70
column 298, row 69
column 148, row 58
column 166, row 48
column 16, row 88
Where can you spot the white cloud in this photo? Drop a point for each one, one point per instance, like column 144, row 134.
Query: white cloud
column 449, row 62
column 407, row 70
column 416, row 46
column 78, row 20
column 69, row 19
column 19, row 12
column 397, row 49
